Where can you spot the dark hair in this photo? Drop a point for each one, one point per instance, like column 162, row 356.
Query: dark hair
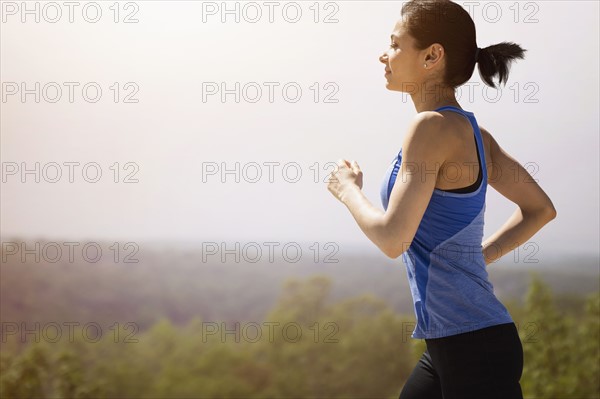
column 447, row 23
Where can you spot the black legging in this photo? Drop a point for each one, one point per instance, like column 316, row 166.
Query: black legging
column 485, row 363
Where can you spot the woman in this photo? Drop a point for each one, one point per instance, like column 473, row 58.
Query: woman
column 434, row 199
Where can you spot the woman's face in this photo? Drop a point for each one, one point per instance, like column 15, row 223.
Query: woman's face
column 404, row 70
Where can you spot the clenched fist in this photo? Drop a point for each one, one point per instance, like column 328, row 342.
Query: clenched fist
column 347, row 175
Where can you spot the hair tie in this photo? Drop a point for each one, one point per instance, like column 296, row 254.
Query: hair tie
column 477, row 54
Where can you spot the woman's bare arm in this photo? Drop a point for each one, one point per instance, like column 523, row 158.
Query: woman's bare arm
column 534, row 207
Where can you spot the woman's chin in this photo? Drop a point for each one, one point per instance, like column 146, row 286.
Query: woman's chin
column 390, row 85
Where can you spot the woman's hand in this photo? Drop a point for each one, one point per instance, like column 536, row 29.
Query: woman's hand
column 346, row 176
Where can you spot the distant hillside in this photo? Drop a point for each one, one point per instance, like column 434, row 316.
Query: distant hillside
column 178, row 285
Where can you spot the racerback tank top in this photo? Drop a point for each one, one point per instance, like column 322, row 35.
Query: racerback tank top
column 446, row 269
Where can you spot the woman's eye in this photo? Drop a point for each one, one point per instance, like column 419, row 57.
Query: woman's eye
column 393, row 45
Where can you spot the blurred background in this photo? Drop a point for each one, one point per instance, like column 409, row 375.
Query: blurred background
column 165, row 223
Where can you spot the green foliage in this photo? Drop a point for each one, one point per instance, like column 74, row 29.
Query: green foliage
column 25, row 376
column 307, row 346
column 560, row 351
column 354, row 348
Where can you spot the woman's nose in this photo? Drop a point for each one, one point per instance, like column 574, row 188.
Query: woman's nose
column 383, row 58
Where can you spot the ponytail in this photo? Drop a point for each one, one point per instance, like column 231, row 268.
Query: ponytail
column 496, row 60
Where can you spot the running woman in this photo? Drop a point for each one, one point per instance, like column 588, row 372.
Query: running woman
column 434, row 199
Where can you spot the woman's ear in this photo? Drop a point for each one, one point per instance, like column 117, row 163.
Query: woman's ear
column 434, row 53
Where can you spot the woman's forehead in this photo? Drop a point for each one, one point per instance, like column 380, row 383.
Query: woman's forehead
column 401, row 35
column 399, row 30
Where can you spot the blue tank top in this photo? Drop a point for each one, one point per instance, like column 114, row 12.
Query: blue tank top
column 445, row 266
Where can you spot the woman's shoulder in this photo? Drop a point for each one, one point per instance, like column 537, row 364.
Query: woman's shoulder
column 448, row 128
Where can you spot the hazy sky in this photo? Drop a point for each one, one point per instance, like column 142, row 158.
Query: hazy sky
column 178, row 54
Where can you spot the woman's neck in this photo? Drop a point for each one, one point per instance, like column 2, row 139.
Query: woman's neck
column 429, row 97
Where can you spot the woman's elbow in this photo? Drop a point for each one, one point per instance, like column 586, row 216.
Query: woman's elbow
column 392, row 254
column 543, row 214
column 552, row 213
column 395, row 250
column 394, row 240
